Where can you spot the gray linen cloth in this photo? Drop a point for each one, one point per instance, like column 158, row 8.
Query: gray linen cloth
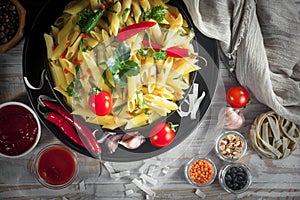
column 260, row 42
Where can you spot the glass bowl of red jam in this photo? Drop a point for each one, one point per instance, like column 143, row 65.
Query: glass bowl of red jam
column 20, row 129
column 56, row 166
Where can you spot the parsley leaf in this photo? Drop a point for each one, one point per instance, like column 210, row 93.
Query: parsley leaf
column 143, row 52
column 159, row 55
column 157, row 13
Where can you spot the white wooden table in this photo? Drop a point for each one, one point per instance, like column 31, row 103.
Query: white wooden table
column 271, row 179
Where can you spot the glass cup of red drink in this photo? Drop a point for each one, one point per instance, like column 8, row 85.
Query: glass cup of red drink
column 56, row 166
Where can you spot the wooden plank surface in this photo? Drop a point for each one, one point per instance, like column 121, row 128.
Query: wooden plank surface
column 271, row 179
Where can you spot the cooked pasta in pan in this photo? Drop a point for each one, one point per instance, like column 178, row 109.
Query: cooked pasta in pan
column 139, row 52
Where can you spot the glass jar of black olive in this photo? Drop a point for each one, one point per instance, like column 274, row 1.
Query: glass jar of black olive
column 235, row 178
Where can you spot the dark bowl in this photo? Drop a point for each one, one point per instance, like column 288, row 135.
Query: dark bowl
column 35, row 62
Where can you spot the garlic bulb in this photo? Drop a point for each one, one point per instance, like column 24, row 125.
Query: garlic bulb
column 234, row 119
column 128, row 140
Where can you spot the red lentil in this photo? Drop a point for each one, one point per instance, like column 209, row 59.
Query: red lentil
column 201, row 171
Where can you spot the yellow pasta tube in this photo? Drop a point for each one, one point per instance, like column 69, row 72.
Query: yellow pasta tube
column 137, row 121
column 164, row 72
column 145, row 4
column 59, row 50
column 178, row 83
column 91, row 67
column 114, row 18
column 133, row 84
column 159, row 109
column 136, row 9
column 57, row 74
column 73, row 48
column 49, row 45
column 75, row 7
column 156, row 33
column 125, row 11
column 161, row 101
column 64, row 33
column 95, row 4
column 90, row 42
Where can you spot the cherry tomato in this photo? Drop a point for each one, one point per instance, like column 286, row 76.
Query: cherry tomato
column 237, row 97
column 161, row 135
column 101, row 103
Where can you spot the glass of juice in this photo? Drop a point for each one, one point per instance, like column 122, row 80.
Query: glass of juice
column 56, row 166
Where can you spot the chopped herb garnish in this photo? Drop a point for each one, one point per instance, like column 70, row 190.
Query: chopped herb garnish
column 157, row 13
column 166, row 35
column 124, row 14
column 160, row 55
column 83, row 48
column 178, row 77
column 143, row 52
column 147, row 111
column 181, row 33
column 94, row 90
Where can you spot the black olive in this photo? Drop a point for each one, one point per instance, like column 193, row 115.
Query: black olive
column 236, row 178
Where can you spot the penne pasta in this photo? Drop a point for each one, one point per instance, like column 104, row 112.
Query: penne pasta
column 144, row 81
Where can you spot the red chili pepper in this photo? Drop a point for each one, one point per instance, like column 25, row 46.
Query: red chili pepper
column 66, row 71
column 77, row 61
column 133, row 29
column 152, row 44
column 177, row 52
column 68, row 44
column 88, row 138
column 64, row 126
column 63, row 55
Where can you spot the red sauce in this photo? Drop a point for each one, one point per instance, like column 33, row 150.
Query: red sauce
column 18, row 130
column 56, row 166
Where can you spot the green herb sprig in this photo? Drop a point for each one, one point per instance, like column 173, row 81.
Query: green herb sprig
column 120, row 66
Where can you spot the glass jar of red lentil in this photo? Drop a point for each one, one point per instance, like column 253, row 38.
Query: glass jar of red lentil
column 200, row 171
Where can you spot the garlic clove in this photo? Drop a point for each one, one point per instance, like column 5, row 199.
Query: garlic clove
column 112, row 142
column 234, row 119
column 132, row 140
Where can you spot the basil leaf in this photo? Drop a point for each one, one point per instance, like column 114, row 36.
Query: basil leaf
column 123, row 51
column 121, row 81
column 88, row 20
column 113, row 64
column 131, row 68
